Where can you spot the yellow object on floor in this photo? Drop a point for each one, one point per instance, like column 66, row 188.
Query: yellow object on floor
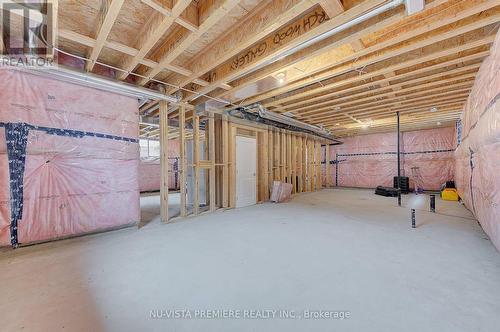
column 449, row 194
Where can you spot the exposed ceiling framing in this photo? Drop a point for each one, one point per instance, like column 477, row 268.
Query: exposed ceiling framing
column 351, row 82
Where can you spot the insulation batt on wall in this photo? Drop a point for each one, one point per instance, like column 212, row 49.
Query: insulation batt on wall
column 150, row 168
column 74, row 181
column 478, row 156
column 368, row 161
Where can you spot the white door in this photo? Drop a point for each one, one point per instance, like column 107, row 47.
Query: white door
column 246, row 171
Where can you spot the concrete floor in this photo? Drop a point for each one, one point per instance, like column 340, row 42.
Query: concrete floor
column 150, row 207
column 334, row 250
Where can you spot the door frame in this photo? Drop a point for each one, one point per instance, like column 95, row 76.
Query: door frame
column 260, row 135
column 254, row 139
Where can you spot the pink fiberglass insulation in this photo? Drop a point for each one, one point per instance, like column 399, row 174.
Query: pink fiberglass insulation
column 149, row 174
column 368, row 161
column 150, row 170
column 281, row 192
column 478, row 156
column 72, row 185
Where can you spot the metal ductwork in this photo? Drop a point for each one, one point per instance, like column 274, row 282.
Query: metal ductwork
column 97, row 82
column 258, row 113
column 414, row 6
column 363, row 17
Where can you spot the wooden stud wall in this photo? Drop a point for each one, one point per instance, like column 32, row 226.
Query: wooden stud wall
column 164, row 161
column 211, row 157
column 281, row 156
column 182, row 159
column 196, row 164
column 328, row 176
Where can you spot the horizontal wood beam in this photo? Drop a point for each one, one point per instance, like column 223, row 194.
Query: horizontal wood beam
column 458, row 103
column 168, row 12
column 394, row 77
column 378, row 91
column 107, row 17
column 418, row 89
column 328, row 53
column 332, row 7
column 224, row 7
column 450, row 94
column 365, row 76
column 261, row 23
column 269, row 49
column 452, row 115
column 149, row 35
column 90, row 42
column 437, row 35
column 430, row 99
column 456, row 92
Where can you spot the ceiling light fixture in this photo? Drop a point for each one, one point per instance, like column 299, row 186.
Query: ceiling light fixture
column 434, row 109
column 280, row 77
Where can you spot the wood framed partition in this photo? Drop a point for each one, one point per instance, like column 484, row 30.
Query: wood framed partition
column 164, row 161
column 282, row 155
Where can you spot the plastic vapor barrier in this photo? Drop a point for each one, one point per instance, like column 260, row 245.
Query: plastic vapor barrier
column 68, row 159
column 478, row 156
column 368, row 161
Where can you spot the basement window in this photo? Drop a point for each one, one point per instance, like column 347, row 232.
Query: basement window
column 149, row 148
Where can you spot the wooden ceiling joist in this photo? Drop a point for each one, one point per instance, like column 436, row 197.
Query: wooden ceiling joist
column 384, row 70
column 131, row 51
column 312, row 56
column 348, row 119
column 395, row 47
column 367, row 102
column 108, row 16
column 383, row 108
column 388, row 78
column 216, row 14
column 259, row 51
column 171, row 12
column 409, row 118
column 327, row 50
column 429, row 101
column 374, row 90
column 340, row 122
column 157, row 26
column 272, row 50
column 387, row 90
column 256, row 27
column 332, row 7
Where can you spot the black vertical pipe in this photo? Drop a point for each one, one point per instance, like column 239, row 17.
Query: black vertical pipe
column 433, row 203
column 399, row 161
column 413, row 222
